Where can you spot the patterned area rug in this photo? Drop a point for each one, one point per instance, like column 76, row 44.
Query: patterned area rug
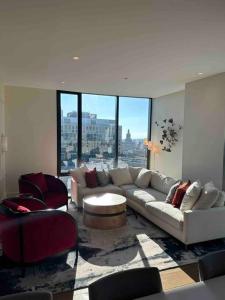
column 139, row 243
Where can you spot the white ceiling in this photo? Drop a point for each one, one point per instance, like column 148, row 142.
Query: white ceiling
column 158, row 44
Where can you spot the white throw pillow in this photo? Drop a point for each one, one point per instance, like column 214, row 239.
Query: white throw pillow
column 220, row 202
column 79, row 175
column 161, row 182
column 208, row 197
column 191, row 196
column 121, row 176
column 172, row 192
column 143, row 178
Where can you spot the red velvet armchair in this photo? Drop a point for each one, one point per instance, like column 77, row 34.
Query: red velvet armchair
column 47, row 188
column 30, row 232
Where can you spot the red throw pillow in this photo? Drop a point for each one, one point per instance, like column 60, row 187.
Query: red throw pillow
column 15, row 207
column 179, row 194
column 39, row 180
column 91, row 178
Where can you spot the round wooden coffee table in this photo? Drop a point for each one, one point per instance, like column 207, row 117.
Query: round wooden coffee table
column 104, row 211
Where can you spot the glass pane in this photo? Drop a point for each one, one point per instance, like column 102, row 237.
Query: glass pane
column 133, row 123
column 68, row 132
column 98, row 131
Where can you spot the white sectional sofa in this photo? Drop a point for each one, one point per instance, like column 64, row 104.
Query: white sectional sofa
column 191, row 226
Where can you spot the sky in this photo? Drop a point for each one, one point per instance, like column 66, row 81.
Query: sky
column 133, row 112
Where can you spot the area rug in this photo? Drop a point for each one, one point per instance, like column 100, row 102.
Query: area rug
column 101, row 252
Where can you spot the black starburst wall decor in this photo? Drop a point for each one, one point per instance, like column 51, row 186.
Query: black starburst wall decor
column 170, row 133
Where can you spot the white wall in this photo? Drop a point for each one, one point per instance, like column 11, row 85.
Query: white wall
column 31, row 129
column 204, row 124
column 169, row 163
column 2, row 132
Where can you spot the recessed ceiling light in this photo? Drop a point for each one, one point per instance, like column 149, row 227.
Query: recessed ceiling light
column 76, row 57
column 200, row 73
column 62, row 82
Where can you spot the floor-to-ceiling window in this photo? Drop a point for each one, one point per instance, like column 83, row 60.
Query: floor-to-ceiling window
column 101, row 131
column 98, row 131
column 133, row 121
column 68, row 132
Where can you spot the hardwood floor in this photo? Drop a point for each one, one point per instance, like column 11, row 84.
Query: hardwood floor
column 171, row 278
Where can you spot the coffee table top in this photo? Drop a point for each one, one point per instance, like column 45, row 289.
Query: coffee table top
column 104, row 199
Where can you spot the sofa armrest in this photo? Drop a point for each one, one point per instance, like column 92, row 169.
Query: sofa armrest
column 76, row 192
column 204, row 225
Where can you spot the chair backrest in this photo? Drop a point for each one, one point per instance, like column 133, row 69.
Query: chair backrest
column 212, row 265
column 126, row 285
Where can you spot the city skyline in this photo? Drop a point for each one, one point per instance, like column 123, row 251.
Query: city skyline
column 104, row 108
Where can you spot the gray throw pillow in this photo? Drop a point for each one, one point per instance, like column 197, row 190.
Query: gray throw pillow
column 103, row 178
column 143, row 178
column 172, row 192
column 221, row 200
column 208, row 197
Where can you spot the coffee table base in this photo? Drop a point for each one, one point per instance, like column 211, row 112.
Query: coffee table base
column 100, row 221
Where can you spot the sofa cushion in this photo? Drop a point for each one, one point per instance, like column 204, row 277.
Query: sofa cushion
column 191, row 196
column 55, row 200
column 128, row 187
column 143, row 178
column 134, row 171
column 221, row 200
column 91, row 178
column 161, row 182
column 167, row 213
column 103, row 177
column 110, row 188
column 79, row 175
column 143, row 196
column 121, row 176
column 208, row 197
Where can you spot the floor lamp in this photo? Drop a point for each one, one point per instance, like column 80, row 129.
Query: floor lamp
column 153, row 148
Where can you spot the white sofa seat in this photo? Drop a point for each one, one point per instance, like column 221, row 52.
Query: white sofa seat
column 167, row 213
column 109, row 188
column 143, row 196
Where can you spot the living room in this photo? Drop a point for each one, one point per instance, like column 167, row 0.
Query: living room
column 122, row 100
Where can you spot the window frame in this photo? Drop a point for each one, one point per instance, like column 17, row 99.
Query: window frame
column 79, row 126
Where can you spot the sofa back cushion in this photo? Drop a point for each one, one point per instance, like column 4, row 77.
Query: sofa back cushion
column 103, row 178
column 208, row 197
column 143, row 178
column 191, row 196
column 161, row 182
column 179, row 194
column 134, row 171
column 37, row 179
column 120, row 176
column 79, row 175
column 91, row 178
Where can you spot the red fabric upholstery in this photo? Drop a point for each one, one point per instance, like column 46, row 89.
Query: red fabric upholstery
column 55, row 196
column 91, row 178
column 39, row 180
column 179, row 194
column 15, row 207
column 54, row 200
column 40, row 233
